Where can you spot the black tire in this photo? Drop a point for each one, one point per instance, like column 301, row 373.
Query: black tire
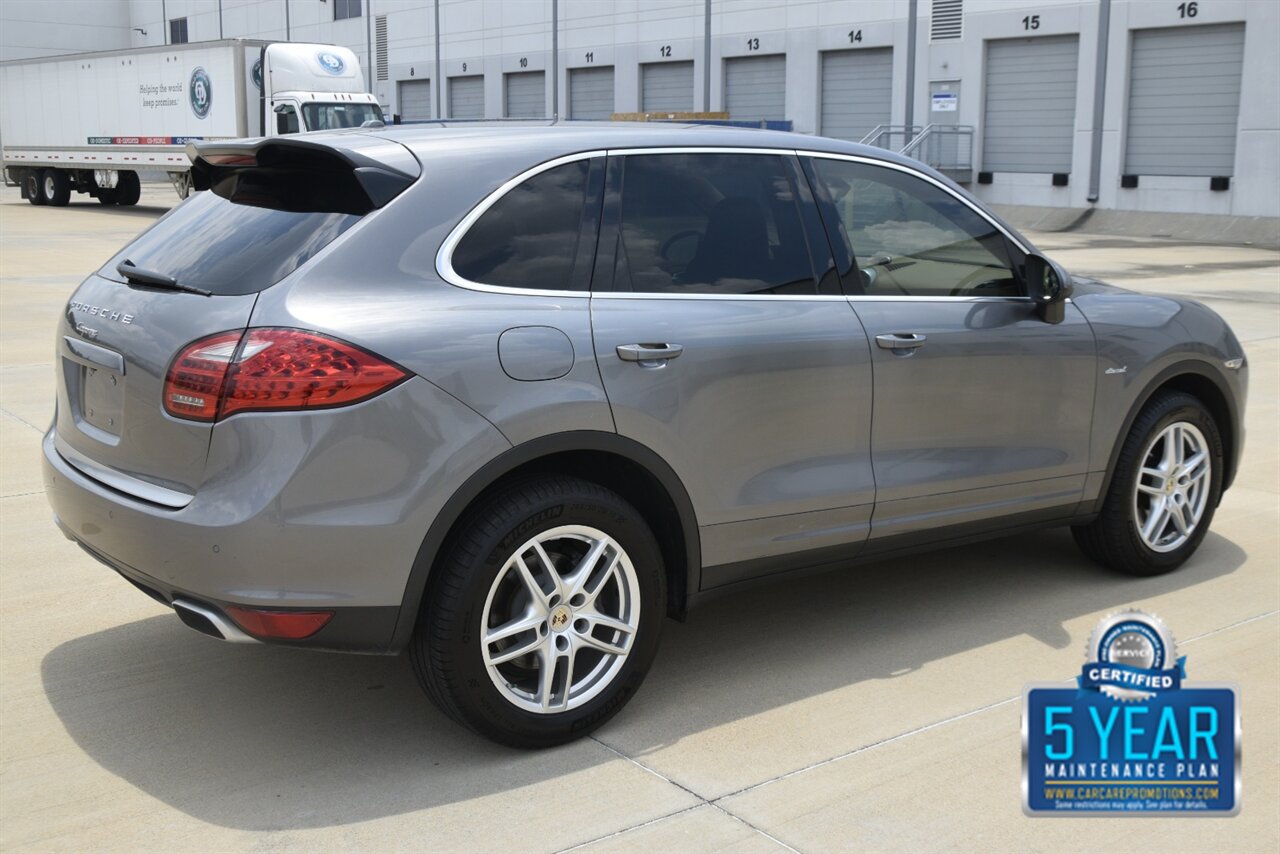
column 107, row 197
column 31, row 186
column 55, row 187
column 1113, row 539
column 128, row 189
column 446, row 650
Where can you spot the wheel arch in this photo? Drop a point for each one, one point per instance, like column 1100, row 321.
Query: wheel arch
column 1202, row 381
column 632, row 470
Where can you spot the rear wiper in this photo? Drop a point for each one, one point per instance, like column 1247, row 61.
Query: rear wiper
column 143, row 276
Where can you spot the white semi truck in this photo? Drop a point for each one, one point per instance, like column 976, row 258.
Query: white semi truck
column 90, row 122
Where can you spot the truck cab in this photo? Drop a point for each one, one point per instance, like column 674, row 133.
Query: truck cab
column 313, row 87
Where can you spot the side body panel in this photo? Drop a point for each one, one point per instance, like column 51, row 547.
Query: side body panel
column 991, row 416
column 765, row 416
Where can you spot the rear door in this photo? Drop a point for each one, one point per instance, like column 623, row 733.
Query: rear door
column 982, row 410
column 720, row 350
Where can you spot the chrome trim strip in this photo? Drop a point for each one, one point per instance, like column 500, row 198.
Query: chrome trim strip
column 92, row 355
column 872, row 161
column 734, row 297
column 231, row 633
column 702, row 149
column 132, row 486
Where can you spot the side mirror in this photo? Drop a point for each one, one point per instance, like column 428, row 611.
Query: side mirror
column 1048, row 285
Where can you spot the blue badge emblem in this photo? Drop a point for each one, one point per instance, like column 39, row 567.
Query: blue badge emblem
column 200, row 93
column 257, row 74
column 331, row 62
column 1131, row 737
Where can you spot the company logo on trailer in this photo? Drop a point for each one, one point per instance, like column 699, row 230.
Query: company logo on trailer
column 200, row 93
column 331, row 62
column 257, row 74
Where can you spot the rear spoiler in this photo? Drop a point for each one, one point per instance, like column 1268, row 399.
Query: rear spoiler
column 343, row 173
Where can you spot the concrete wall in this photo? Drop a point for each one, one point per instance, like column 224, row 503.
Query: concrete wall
column 31, row 28
column 493, row 37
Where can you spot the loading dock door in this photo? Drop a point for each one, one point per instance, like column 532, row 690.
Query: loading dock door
column 526, row 95
column 466, row 97
column 1030, row 113
column 414, row 100
column 1184, row 100
column 591, row 93
column 755, row 87
column 666, row 87
column 857, row 91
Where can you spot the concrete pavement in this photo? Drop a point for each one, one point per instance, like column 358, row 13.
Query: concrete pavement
column 869, row 710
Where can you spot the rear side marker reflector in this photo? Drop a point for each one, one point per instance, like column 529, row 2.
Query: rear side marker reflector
column 272, row 369
column 282, row 625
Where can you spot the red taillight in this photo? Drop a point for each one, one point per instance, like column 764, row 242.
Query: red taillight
column 272, row 369
column 286, row 625
column 193, row 388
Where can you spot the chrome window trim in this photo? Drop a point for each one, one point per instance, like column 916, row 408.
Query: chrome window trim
column 444, row 257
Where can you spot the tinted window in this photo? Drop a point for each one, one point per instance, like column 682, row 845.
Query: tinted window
column 529, row 238
column 911, row 238
column 337, row 116
column 230, row 248
column 712, row 224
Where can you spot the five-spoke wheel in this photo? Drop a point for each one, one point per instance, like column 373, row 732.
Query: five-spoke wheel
column 1163, row 491
column 542, row 618
column 560, row 619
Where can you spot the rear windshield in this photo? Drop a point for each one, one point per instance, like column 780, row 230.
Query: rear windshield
column 228, row 248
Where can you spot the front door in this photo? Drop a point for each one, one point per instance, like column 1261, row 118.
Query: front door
column 982, row 410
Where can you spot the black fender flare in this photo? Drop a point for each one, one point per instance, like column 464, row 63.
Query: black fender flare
column 514, row 458
column 1189, row 366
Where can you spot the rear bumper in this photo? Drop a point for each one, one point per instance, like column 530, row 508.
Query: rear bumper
column 317, row 511
column 352, row 629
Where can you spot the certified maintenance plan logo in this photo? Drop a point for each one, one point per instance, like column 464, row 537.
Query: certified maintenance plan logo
column 1131, row 738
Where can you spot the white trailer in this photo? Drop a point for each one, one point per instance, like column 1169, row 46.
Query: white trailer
column 90, row 122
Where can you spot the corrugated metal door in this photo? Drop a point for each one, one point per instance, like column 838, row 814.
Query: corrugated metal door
column 666, row 87
column 755, row 87
column 466, row 97
column 414, row 98
column 1184, row 100
column 526, row 95
column 591, row 93
column 857, row 91
column 1030, row 113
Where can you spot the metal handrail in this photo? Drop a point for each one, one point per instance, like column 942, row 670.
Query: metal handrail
column 879, row 132
column 948, row 148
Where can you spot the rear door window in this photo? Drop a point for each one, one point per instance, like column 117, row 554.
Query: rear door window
column 228, row 248
column 712, row 224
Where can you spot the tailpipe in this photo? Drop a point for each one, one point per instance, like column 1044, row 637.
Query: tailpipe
column 209, row 622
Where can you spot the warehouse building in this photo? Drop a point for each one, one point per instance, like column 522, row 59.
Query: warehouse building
column 1143, row 105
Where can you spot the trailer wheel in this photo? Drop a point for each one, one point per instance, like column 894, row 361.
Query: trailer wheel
column 107, row 197
column 128, row 189
column 56, row 187
column 31, row 188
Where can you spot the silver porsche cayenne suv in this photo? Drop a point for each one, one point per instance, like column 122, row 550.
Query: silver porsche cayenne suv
column 509, row 396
